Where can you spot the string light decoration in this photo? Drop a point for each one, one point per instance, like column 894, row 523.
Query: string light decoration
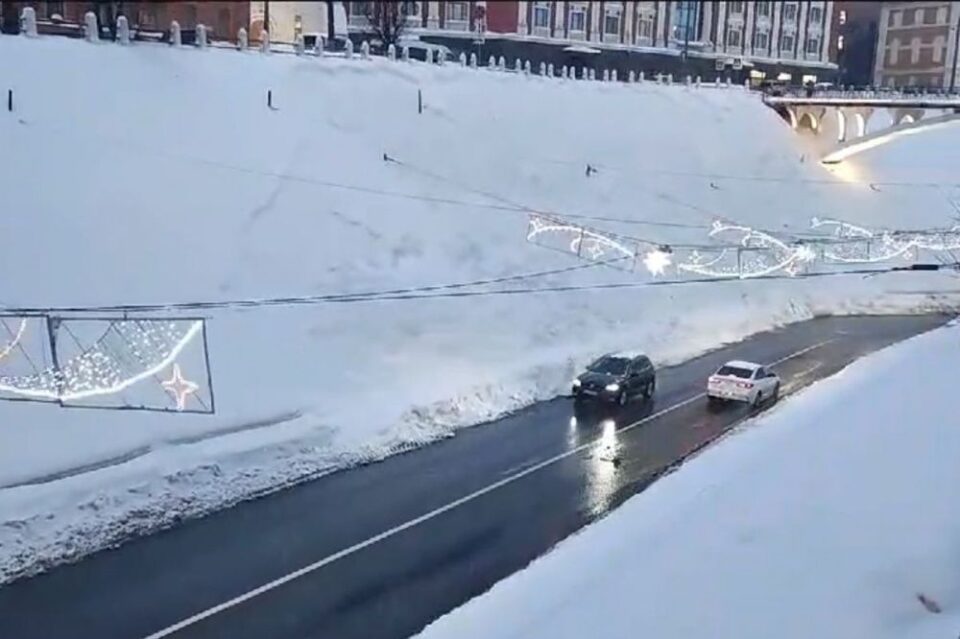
column 179, row 388
column 759, row 254
column 858, row 245
column 15, row 340
column 128, row 352
column 581, row 241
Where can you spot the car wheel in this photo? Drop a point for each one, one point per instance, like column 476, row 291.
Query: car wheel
column 776, row 394
column 757, row 400
column 649, row 388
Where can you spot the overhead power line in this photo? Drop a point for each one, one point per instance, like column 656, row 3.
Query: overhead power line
column 444, row 292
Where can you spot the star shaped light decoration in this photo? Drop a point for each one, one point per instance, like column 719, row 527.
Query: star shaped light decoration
column 657, row 261
column 179, row 388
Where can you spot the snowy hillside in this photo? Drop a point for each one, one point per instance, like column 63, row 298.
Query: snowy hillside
column 149, row 175
column 829, row 517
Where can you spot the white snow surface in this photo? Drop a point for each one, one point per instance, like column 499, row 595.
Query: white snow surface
column 827, row 517
column 149, row 174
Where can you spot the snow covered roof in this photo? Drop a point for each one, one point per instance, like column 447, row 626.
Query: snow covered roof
column 628, row 354
column 739, row 363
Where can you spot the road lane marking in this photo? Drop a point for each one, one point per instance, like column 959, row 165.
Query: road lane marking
column 280, row 581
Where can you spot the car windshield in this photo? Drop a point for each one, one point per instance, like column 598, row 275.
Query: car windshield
column 733, row 371
column 609, row 365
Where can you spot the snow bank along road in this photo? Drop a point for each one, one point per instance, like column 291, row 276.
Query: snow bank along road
column 382, row 550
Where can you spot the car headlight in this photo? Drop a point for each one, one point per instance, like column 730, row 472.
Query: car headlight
column 613, row 388
column 576, row 383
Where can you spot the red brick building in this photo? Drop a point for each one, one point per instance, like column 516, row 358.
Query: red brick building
column 225, row 18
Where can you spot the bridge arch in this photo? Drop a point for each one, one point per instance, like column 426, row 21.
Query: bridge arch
column 860, row 124
column 841, row 125
column 808, row 121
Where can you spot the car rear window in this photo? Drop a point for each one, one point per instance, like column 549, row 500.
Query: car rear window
column 609, row 365
column 733, row 371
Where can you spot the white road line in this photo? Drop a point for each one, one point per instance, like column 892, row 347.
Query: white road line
column 276, row 583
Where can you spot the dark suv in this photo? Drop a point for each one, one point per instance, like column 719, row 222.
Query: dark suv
column 616, row 378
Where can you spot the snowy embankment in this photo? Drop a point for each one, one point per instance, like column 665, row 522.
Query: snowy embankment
column 146, row 174
column 832, row 516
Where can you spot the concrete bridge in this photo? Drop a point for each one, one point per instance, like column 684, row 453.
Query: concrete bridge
column 841, row 119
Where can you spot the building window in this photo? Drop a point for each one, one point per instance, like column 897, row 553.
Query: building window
column 645, row 26
column 223, row 23
column 611, row 21
column 893, row 18
column 816, row 14
column 914, row 50
column 733, row 38
column 786, row 42
column 790, row 12
column 813, row 46
column 459, row 12
column 909, row 18
column 761, row 39
column 930, row 15
column 54, row 9
column 843, row 16
column 894, row 51
column 763, row 9
column 541, row 15
column 840, row 42
column 735, row 7
column 578, row 17
column 685, row 21
column 938, row 49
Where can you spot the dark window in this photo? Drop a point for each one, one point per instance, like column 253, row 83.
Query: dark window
column 733, row 371
column 816, row 13
column 930, row 15
column 789, row 12
column 609, row 365
column 223, row 23
column 909, row 17
column 763, row 9
column 54, row 9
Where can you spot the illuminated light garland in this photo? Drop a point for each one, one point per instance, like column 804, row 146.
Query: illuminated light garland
column 596, row 245
column 768, row 255
column 16, row 339
column 179, row 388
column 857, row 242
column 657, row 261
column 96, row 373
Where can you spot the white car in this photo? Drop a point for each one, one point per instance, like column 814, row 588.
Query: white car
column 743, row 382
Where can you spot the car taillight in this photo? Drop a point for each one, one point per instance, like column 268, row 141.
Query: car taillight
column 745, row 384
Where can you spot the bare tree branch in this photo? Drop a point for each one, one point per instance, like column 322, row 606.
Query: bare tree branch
column 387, row 20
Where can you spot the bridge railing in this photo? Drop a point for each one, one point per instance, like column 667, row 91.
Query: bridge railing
column 866, row 93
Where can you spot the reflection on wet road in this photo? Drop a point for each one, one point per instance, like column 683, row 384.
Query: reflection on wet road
column 380, row 551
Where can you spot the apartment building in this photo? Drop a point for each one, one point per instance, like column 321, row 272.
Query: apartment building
column 789, row 40
column 917, row 44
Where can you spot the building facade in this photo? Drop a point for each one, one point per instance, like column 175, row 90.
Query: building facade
column 853, row 45
column 917, row 45
column 786, row 40
column 224, row 18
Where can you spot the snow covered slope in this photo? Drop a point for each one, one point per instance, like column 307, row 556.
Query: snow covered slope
column 145, row 174
column 828, row 517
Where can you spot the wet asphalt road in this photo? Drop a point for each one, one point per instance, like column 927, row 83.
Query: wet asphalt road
column 391, row 546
